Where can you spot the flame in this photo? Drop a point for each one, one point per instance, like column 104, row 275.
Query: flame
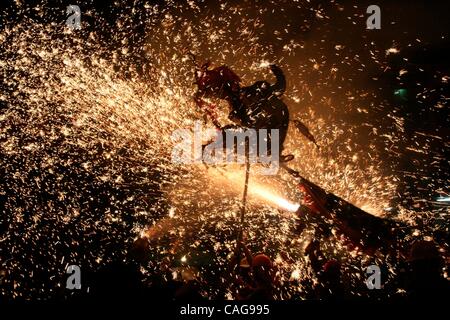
column 235, row 179
column 270, row 197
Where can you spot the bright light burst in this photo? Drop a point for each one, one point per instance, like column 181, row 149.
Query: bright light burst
column 85, row 141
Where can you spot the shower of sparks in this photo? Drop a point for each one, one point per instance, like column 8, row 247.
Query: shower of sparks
column 85, row 142
column 236, row 179
column 278, row 201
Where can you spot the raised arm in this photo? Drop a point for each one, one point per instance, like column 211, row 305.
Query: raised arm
column 280, row 85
